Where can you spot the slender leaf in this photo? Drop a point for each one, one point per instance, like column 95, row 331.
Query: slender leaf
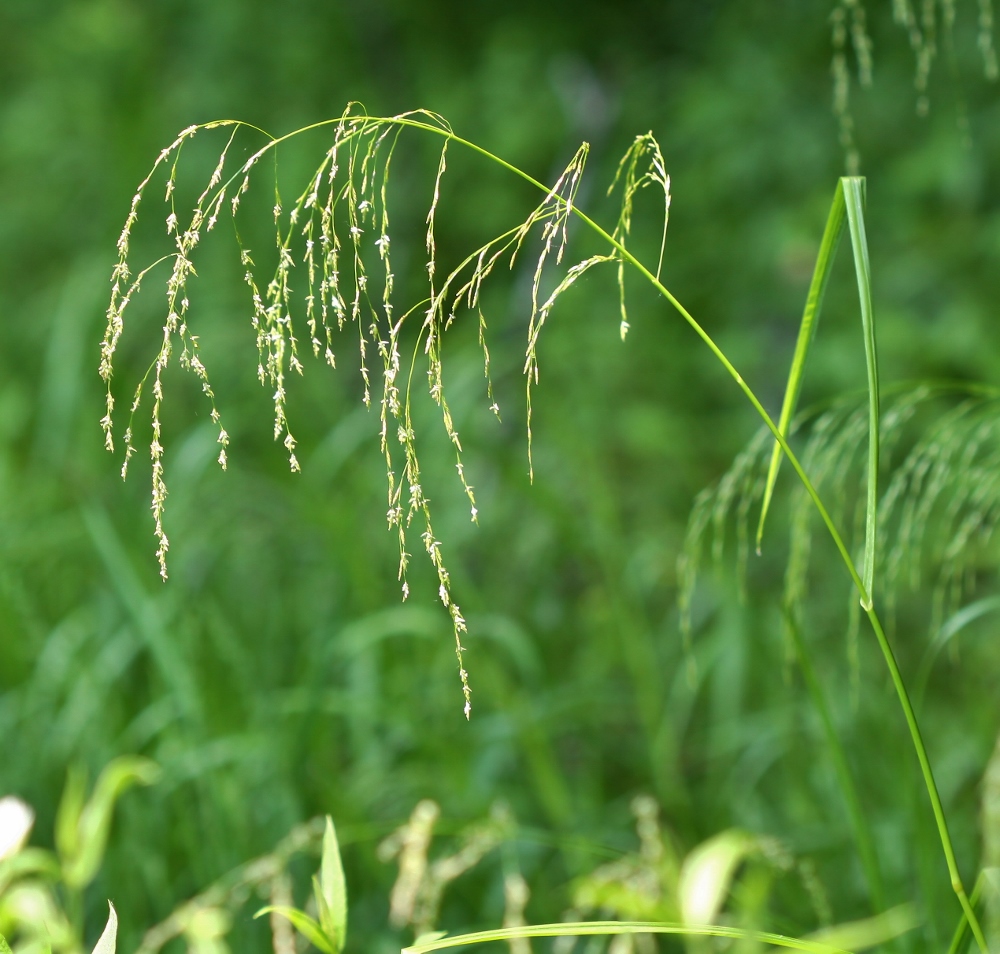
column 302, row 923
column 4, row 946
column 82, row 864
column 707, row 873
column 854, row 199
column 108, row 941
column 870, row 932
column 594, row 928
column 331, row 889
column 807, row 331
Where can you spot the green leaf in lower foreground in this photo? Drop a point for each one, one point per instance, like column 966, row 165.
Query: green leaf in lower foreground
column 593, row 928
column 302, row 923
column 82, row 849
column 4, row 946
column 331, row 889
column 108, row 941
column 869, row 932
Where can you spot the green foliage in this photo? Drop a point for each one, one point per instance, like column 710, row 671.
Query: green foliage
column 329, row 933
column 40, row 893
column 364, row 194
column 269, row 679
column 82, row 827
column 107, row 942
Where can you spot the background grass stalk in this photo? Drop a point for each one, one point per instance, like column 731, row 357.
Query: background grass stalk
column 859, row 822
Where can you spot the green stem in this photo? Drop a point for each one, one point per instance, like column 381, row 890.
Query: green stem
column 963, row 922
column 928, row 774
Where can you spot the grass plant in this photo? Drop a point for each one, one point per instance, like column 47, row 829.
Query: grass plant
column 269, row 680
column 326, row 233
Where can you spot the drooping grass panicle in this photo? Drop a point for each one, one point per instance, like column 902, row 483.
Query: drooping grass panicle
column 176, row 326
column 628, row 172
column 985, row 40
column 848, row 20
column 331, row 234
column 553, row 213
column 948, row 499
column 736, row 492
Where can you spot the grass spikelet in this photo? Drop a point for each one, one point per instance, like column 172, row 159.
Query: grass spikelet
column 553, row 213
column 633, row 180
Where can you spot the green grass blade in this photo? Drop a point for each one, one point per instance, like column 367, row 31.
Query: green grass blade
column 854, row 198
column 592, row 928
column 859, row 821
column 331, row 894
column 308, row 927
column 870, row 932
column 807, row 331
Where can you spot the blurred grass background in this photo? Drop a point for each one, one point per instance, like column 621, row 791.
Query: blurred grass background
column 276, row 676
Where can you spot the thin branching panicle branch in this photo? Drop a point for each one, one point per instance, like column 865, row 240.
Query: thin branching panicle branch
column 336, row 237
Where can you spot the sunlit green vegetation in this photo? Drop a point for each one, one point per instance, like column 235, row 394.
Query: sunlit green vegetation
column 636, row 731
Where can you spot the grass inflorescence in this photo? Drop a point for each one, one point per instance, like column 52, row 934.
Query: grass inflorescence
column 338, row 223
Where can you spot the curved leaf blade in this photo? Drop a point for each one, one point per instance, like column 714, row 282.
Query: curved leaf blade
column 331, row 893
column 302, row 923
column 108, row 941
column 807, row 331
column 595, row 928
column 854, row 199
column 94, row 822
